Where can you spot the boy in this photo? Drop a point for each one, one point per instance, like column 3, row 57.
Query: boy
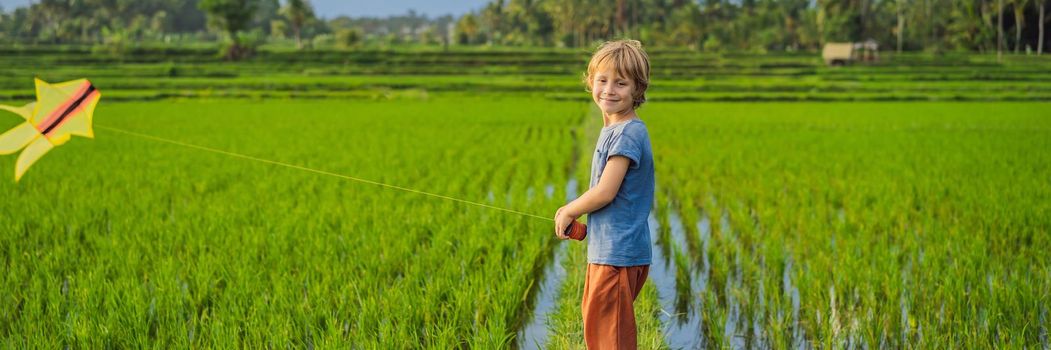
column 619, row 200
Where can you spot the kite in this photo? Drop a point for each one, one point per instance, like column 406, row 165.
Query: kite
column 60, row 111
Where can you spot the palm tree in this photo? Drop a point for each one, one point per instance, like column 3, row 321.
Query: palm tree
column 232, row 16
column 467, row 29
column 999, row 30
column 901, row 22
column 564, row 14
column 1040, row 23
column 1019, row 9
column 492, row 20
column 298, row 12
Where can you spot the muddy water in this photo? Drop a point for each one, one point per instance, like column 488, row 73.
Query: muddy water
column 790, row 290
column 680, row 314
column 535, row 333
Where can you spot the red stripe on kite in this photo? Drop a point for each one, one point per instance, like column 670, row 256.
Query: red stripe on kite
column 93, row 95
column 58, row 112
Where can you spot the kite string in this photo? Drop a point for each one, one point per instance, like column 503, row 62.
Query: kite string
column 316, row 171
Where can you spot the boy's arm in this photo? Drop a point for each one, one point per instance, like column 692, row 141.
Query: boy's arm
column 596, row 197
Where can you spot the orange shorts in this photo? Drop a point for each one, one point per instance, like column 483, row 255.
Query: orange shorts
column 607, row 305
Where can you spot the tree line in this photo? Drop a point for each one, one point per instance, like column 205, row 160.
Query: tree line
column 764, row 25
column 242, row 24
column 712, row 25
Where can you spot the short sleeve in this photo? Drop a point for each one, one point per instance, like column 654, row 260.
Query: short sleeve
column 627, row 145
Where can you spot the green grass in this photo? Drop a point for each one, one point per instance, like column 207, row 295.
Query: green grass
column 926, row 222
column 122, row 241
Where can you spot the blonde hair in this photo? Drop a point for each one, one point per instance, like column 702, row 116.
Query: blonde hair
column 628, row 60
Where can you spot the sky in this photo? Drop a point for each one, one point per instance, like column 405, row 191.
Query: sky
column 359, row 8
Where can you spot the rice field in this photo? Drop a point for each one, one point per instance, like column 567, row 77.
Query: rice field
column 898, row 205
column 839, row 225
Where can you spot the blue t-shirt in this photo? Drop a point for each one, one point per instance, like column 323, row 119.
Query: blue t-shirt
column 618, row 234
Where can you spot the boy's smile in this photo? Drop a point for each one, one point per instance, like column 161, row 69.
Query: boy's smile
column 613, row 94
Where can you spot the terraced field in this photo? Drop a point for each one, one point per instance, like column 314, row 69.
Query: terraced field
column 149, row 74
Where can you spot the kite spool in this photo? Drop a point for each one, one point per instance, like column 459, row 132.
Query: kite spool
column 577, row 231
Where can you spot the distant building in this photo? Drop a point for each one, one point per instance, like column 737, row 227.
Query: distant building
column 840, row 54
column 869, row 50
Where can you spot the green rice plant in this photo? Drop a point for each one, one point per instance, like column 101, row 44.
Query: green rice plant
column 152, row 243
column 906, row 224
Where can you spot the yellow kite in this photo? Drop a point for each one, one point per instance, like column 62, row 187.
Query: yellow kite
column 60, row 111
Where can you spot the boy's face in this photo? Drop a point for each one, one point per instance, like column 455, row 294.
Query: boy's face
column 611, row 91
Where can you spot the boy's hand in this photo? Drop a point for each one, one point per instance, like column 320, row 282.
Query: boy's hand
column 562, row 221
column 594, row 198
